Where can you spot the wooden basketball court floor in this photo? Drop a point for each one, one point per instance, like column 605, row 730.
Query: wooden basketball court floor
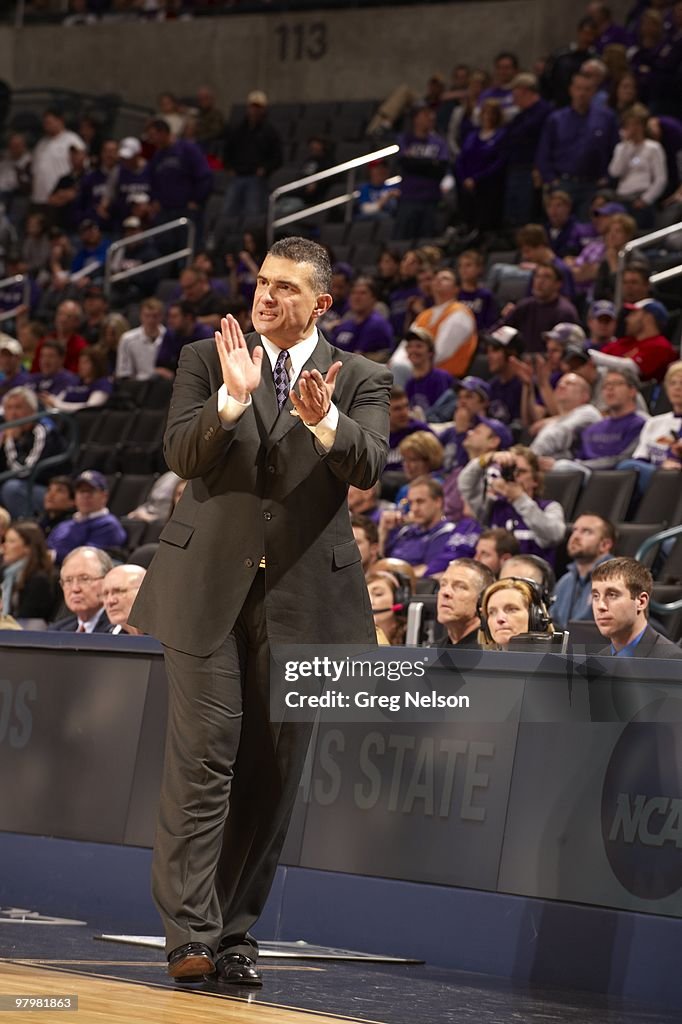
column 129, row 985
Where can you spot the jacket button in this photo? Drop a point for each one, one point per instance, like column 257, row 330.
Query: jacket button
column 248, row 562
column 267, row 515
column 271, row 469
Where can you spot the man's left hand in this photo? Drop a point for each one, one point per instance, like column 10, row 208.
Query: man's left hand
column 314, row 399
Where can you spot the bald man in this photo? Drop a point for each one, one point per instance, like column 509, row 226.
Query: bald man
column 556, row 437
column 119, row 590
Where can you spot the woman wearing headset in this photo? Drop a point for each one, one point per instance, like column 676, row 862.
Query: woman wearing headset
column 388, row 594
column 510, row 607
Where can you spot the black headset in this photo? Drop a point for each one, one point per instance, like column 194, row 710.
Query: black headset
column 402, row 592
column 538, row 617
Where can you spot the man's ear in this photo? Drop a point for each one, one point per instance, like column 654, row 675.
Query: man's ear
column 322, row 304
column 642, row 601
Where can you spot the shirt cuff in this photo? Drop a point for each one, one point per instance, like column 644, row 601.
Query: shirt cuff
column 325, row 430
column 229, row 409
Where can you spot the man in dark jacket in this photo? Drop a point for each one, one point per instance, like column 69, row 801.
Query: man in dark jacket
column 253, row 150
column 621, row 591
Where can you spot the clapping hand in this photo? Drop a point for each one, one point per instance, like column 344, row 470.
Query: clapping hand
column 241, row 369
column 314, row 399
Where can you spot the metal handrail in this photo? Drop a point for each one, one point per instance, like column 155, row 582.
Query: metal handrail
column 653, row 541
column 665, row 275
column 16, row 279
column 111, row 277
column 348, row 166
column 639, row 243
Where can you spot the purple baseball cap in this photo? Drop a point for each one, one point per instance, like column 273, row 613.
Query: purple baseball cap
column 608, row 208
column 91, row 478
column 602, row 307
column 475, row 384
column 499, row 428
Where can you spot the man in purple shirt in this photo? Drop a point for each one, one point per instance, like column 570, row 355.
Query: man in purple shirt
column 423, row 161
column 365, row 330
column 180, row 177
column 501, row 346
column 533, row 316
column 427, row 385
column 576, row 145
column 521, row 143
column 52, row 379
column 505, row 68
column 607, row 30
column 423, row 541
column 566, row 235
column 604, row 444
column 182, row 329
column 400, row 425
column 92, row 524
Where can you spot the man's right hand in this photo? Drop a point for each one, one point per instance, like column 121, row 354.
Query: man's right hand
column 241, row 369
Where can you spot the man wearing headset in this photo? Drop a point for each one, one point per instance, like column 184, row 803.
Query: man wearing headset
column 459, row 591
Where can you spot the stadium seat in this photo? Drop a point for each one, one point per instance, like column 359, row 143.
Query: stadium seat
column 134, row 529
column 607, row 493
column 564, row 488
column 662, row 501
column 671, row 621
column 143, row 555
column 630, row 538
column 131, row 490
column 671, row 570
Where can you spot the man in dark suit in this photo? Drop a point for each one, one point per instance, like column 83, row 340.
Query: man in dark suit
column 259, row 550
column 621, row 591
column 81, row 577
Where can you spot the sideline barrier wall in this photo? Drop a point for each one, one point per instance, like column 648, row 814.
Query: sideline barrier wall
column 571, row 790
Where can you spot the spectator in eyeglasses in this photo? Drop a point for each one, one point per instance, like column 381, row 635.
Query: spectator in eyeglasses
column 81, row 580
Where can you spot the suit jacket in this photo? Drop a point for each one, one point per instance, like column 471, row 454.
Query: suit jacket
column 266, row 488
column 69, row 624
column 652, row 645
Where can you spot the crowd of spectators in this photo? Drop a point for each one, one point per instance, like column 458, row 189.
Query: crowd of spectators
column 505, row 368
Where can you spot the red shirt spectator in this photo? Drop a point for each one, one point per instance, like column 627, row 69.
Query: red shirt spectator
column 643, row 343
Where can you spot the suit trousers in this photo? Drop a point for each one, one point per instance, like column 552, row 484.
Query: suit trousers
column 229, row 785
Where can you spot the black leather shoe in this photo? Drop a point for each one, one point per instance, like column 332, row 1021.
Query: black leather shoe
column 237, row 969
column 193, row 960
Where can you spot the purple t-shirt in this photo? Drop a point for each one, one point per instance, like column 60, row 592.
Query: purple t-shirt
column 505, row 399
column 369, row 335
column 81, row 392
column 423, row 163
column 607, row 438
column 397, row 306
column 451, row 439
column 460, row 543
column 533, row 318
column 482, row 304
column 53, row 383
column 424, row 391
column 505, row 515
column 420, row 546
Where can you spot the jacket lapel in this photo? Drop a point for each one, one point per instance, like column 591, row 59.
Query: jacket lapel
column 264, row 398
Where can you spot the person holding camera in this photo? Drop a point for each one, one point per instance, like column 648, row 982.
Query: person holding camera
column 504, row 489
